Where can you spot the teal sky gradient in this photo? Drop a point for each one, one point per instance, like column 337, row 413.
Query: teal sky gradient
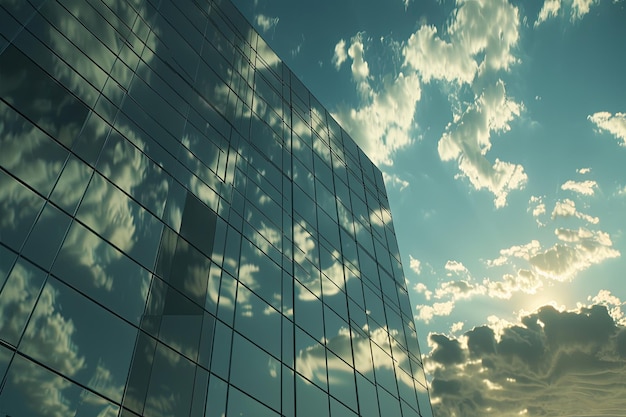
column 542, row 100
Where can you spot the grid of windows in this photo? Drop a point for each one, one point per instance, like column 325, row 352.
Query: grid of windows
column 185, row 230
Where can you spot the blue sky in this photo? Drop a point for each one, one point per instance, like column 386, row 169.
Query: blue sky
column 500, row 127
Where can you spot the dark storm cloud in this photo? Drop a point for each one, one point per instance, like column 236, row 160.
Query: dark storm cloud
column 566, row 363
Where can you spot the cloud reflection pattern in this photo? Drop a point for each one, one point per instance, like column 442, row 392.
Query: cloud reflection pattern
column 185, row 230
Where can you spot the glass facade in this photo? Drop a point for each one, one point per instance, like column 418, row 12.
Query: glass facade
column 184, row 229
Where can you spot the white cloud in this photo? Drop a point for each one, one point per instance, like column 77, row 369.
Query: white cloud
column 524, row 281
column 458, row 290
column 436, row 59
column 415, row 265
column 581, row 249
column 266, row 23
column 468, row 140
column 426, row 313
column 395, row 181
column 537, row 207
column 612, row 303
column 482, row 36
column 455, row 267
column 382, row 124
column 577, row 9
column 550, row 9
column 421, row 288
column 581, row 8
column 614, row 124
column 340, row 55
column 360, row 68
column 583, row 171
column 567, row 208
column 580, row 187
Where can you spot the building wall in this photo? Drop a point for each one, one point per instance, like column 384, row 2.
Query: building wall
column 184, row 229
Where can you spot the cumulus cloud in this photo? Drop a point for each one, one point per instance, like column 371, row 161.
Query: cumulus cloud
column 469, row 139
column 455, row 267
column 266, row 23
column 360, row 68
column 481, row 36
column 340, row 55
column 535, row 265
column 426, row 313
column 583, row 171
column 470, row 53
column 415, row 265
column 533, row 367
column 478, row 43
column 614, row 124
column 395, row 181
column 567, row 208
column 538, row 208
column 382, row 124
column 580, row 187
column 575, row 251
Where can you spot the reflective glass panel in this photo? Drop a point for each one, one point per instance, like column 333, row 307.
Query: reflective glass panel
column 17, row 299
column 255, row 372
column 60, row 397
column 80, row 340
column 96, row 268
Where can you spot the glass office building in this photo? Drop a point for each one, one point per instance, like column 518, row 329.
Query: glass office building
column 184, row 229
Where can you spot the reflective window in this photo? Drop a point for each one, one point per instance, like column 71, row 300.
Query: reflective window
column 99, row 270
column 258, row 321
column 308, row 311
column 337, row 409
column 61, row 334
column 120, row 220
column 248, row 359
column 35, row 94
column 129, row 169
column 5, row 358
column 216, row 398
column 7, row 257
column 170, row 390
column 389, row 405
column 241, row 405
column 310, row 400
column 183, row 266
column 17, row 299
column 45, row 238
column 368, row 400
column 71, row 185
column 19, row 207
column 341, row 381
column 140, row 370
column 222, row 340
column 29, row 153
column 61, row 397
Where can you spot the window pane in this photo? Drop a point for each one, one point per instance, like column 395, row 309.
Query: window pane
column 258, row 321
column 34, row 93
column 18, row 298
column 255, row 372
column 80, row 340
column 171, row 384
column 240, row 405
column 96, row 268
column 45, row 239
column 29, row 153
column 121, row 221
column 310, row 400
column 59, row 398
